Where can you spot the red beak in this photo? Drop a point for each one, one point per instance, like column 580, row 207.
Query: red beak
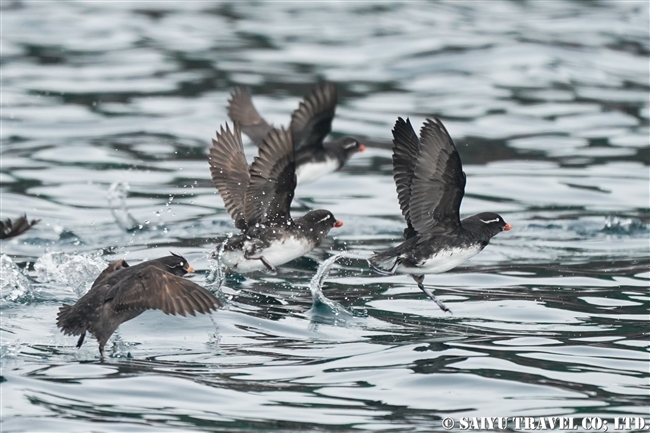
column 507, row 227
column 338, row 223
column 362, row 147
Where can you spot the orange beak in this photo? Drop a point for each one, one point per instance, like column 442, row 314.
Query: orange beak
column 507, row 227
column 338, row 223
column 362, row 147
column 190, row 269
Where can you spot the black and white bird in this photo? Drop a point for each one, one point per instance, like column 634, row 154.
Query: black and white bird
column 259, row 198
column 122, row 292
column 10, row 229
column 430, row 186
column 310, row 124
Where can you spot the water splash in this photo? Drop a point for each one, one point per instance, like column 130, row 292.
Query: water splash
column 77, row 271
column 119, row 347
column 324, row 310
column 623, row 226
column 217, row 275
column 117, row 192
column 214, row 338
column 14, row 285
column 11, row 350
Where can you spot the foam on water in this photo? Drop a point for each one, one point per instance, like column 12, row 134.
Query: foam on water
column 14, row 285
column 77, row 271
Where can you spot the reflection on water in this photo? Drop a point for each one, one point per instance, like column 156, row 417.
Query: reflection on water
column 107, row 113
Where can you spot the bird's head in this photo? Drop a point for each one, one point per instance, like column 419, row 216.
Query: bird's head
column 176, row 264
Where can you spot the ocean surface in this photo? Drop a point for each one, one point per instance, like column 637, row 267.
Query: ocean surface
column 107, row 111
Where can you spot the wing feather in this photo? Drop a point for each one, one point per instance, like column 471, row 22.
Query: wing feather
column 229, row 171
column 154, row 289
column 312, row 120
column 438, row 182
column 9, row 229
column 406, row 149
column 241, row 110
column 273, row 181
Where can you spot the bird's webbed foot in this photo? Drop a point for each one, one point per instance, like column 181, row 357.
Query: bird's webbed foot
column 420, row 280
column 270, row 268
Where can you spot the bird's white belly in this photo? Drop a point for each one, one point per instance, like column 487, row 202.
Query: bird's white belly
column 278, row 253
column 441, row 262
column 310, row 172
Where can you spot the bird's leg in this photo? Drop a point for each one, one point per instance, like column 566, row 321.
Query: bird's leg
column 302, row 203
column 81, row 340
column 250, row 253
column 420, row 280
column 102, row 355
column 269, row 266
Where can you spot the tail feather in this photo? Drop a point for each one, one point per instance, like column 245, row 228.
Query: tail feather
column 70, row 323
column 384, row 263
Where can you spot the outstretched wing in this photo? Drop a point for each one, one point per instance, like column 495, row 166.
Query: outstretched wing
column 273, row 181
column 230, row 172
column 438, row 182
column 312, row 120
column 406, row 148
column 242, row 111
column 154, row 289
column 9, row 229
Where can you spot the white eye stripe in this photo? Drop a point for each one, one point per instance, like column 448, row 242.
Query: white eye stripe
column 348, row 146
column 323, row 219
column 496, row 220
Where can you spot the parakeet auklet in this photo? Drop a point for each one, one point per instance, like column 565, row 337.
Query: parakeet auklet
column 258, row 200
column 311, row 122
column 430, row 186
column 9, row 229
column 122, row 292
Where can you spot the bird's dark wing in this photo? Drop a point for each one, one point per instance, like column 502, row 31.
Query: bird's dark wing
column 438, row 182
column 9, row 229
column 406, row 148
column 112, row 267
column 312, row 120
column 230, row 172
column 242, row 111
column 154, row 289
column 273, row 181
